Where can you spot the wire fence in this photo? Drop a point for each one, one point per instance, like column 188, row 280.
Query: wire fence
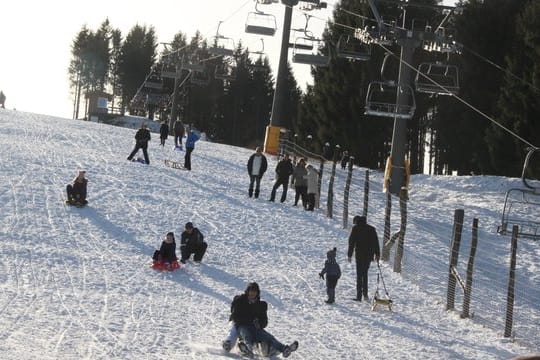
column 427, row 250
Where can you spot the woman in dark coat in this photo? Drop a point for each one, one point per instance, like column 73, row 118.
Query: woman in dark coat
column 163, row 132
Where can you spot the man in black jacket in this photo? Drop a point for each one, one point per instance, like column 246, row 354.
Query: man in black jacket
column 364, row 242
column 256, row 167
column 142, row 137
column 249, row 315
column 284, row 169
column 192, row 243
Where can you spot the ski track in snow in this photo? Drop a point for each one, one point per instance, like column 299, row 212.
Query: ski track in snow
column 77, row 284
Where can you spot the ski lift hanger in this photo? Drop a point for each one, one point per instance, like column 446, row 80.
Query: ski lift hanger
column 301, row 56
column 351, row 48
column 522, row 205
column 221, row 45
column 260, row 23
column 437, row 78
column 381, row 100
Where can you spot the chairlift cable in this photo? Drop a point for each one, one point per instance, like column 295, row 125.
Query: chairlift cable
column 465, row 102
column 506, row 71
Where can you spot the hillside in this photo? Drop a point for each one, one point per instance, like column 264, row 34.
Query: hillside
column 76, row 283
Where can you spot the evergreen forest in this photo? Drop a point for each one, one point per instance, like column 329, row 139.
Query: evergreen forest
column 486, row 128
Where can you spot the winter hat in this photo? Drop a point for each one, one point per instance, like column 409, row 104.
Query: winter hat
column 253, row 286
column 189, row 225
column 331, row 255
column 359, row 220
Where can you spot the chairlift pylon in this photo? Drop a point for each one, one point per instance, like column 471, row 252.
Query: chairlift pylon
column 522, row 205
column 437, row 78
column 351, row 48
column 381, row 100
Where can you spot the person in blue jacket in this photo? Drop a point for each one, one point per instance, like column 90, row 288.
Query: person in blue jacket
column 333, row 273
column 191, row 139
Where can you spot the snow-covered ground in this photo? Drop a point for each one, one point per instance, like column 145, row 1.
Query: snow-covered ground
column 77, row 283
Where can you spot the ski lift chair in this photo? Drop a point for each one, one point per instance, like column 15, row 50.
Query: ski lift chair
column 301, row 56
column 381, row 100
column 351, row 48
column 431, row 75
column 200, row 77
column 221, row 45
column 522, row 206
column 226, row 70
column 169, row 70
column 260, row 23
column 256, row 58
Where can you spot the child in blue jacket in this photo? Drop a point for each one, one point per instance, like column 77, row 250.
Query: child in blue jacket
column 333, row 273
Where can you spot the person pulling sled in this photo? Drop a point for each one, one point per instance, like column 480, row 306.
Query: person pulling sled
column 76, row 192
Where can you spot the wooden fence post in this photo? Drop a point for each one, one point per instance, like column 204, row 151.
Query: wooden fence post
column 346, row 193
column 385, row 255
column 402, row 227
column 470, row 267
column 366, row 194
column 511, row 284
column 459, row 215
column 330, row 199
column 319, row 182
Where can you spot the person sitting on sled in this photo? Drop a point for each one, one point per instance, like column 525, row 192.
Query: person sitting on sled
column 165, row 257
column 249, row 315
column 76, row 192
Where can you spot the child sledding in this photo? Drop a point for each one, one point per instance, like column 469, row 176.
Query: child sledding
column 165, row 258
column 76, row 192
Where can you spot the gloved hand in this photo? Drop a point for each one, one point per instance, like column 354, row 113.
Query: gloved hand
column 256, row 323
column 321, row 275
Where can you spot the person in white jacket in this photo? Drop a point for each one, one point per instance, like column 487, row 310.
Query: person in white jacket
column 312, row 178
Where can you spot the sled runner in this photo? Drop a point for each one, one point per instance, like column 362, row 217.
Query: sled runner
column 165, row 266
column 377, row 299
column 174, row 165
column 76, row 203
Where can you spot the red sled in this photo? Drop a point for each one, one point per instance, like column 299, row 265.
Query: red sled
column 165, row 266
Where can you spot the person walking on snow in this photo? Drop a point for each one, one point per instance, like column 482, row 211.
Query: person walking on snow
column 192, row 242
column 256, row 167
column 364, row 243
column 142, row 137
column 2, row 100
column 163, row 132
column 284, row 169
column 178, row 133
column 191, row 139
column 76, row 192
column 333, row 273
column 312, row 178
column 249, row 315
column 300, row 182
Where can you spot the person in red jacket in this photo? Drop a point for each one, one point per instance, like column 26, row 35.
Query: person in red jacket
column 363, row 241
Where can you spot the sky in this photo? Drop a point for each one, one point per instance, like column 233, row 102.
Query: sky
column 77, row 283
column 34, row 74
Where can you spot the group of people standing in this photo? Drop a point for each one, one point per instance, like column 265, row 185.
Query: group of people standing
column 142, row 137
column 305, row 178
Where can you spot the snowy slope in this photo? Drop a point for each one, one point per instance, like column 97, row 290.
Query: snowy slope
column 76, row 283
